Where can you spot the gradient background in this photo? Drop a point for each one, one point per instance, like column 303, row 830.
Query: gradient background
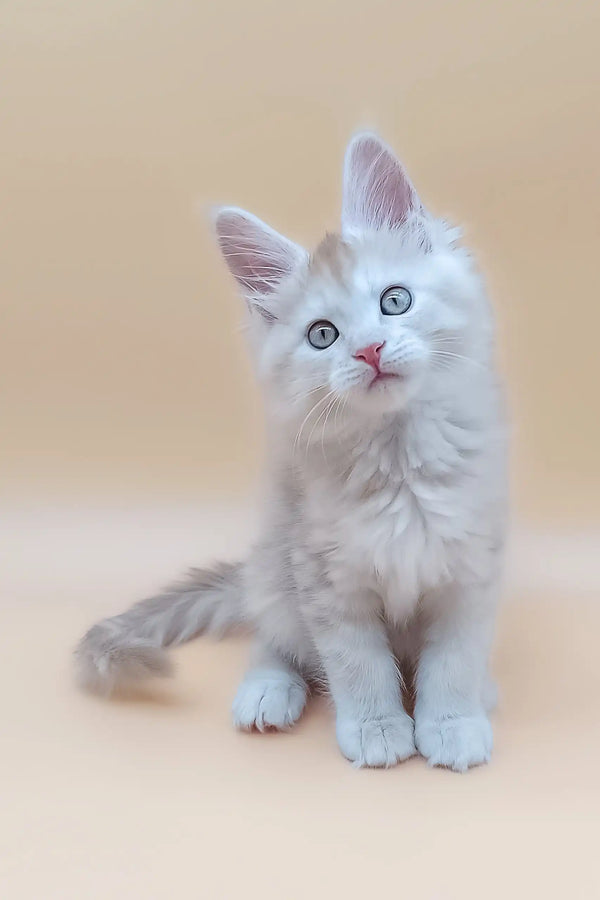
column 131, row 430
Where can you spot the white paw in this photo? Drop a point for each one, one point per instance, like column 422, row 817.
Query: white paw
column 457, row 742
column 379, row 742
column 269, row 699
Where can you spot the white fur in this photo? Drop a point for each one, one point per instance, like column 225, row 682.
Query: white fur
column 385, row 505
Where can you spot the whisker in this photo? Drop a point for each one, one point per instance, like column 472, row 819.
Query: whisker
column 306, row 418
column 343, row 405
column 337, row 412
column 323, row 411
column 446, row 354
column 327, row 414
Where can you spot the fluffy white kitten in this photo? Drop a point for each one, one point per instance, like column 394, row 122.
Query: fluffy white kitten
column 384, row 513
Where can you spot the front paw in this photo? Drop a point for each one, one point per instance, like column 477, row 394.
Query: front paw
column 379, row 742
column 456, row 742
column 267, row 700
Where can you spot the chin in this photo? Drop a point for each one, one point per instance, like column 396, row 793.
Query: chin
column 387, row 395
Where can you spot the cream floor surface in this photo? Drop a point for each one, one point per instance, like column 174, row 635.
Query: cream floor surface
column 159, row 798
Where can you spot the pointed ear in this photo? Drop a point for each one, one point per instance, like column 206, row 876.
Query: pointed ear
column 377, row 191
column 256, row 255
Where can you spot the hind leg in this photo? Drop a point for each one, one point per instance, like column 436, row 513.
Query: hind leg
column 272, row 695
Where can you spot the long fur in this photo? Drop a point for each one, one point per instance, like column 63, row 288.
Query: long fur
column 130, row 647
column 385, row 501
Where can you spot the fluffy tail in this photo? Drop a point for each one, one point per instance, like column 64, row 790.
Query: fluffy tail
column 129, row 647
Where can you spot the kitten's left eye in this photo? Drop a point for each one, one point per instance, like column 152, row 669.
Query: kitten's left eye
column 395, row 300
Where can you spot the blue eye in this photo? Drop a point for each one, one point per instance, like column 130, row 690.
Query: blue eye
column 322, row 334
column 395, row 301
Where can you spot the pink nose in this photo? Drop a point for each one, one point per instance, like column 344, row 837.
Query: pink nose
column 371, row 355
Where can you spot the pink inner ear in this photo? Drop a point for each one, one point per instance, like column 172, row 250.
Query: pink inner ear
column 377, row 191
column 256, row 255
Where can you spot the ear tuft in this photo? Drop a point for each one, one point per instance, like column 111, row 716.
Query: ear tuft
column 377, row 191
column 257, row 256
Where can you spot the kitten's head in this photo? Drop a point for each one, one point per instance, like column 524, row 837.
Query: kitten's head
column 377, row 316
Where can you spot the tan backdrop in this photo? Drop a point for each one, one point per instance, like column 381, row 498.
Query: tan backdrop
column 131, row 435
column 123, row 373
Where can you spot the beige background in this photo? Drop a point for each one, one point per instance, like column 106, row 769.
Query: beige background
column 122, row 369
column 131, row 430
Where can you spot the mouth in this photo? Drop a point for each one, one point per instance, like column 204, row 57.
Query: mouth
column 382, row 377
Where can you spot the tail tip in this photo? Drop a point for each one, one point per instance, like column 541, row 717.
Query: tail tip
column 110, row 668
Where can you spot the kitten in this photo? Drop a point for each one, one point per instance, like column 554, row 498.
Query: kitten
column 385, row 505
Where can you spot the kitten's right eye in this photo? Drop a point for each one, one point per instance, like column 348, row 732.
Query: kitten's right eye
column 322, row 334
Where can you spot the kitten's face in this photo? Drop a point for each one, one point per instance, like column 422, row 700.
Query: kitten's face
column 375, row 317
column 369, row 322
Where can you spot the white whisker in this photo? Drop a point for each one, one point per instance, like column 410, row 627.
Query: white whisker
column 323, row 411
column 306, row 418
column 327, row 414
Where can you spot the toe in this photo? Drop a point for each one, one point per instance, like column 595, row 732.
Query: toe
column 456, row 743
column 264, row 703
column 376, row 743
